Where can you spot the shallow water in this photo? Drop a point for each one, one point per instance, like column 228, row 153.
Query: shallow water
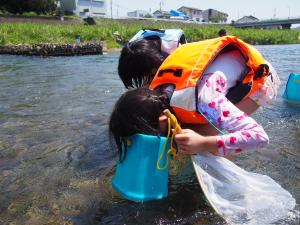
column 56, row 162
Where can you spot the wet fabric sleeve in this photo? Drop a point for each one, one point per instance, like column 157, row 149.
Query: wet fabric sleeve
column 268, row 91
column 243, row 133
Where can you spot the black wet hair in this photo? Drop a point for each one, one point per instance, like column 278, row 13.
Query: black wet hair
column 136, row 111
column 222, row 32
column 182, row 39
column 139, row 61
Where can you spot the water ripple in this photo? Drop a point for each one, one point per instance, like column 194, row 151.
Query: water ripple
column 56, row 162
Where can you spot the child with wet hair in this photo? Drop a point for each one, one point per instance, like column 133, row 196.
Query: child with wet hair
column 143, row 54
column 137, row 111
column 139, row 61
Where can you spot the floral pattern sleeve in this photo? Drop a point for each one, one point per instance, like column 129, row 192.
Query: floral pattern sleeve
column 243, row 133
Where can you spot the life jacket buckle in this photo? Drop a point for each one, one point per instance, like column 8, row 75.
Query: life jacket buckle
column 176, row 72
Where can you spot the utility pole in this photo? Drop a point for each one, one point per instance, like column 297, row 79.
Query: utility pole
column 117, row 11
column 111, row 11
column 91, row 13
column 160, row 5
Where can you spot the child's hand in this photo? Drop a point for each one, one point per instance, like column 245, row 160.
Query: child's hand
column 189, row 142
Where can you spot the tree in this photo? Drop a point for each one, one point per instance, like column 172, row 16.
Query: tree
column 148, row 15
column 21, row 6
column 218, row 19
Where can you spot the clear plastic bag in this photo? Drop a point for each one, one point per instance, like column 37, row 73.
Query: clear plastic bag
column 241, row 197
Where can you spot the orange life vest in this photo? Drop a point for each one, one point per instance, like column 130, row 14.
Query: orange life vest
column 186, row 64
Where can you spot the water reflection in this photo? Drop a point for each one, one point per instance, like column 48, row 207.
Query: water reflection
column 56, row 162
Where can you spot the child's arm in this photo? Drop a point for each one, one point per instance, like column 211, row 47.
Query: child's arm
column 243, row 132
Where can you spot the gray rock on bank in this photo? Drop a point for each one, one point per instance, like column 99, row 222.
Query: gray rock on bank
column 89, row 48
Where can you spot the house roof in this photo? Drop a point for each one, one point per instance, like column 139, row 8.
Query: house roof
column 251, row 18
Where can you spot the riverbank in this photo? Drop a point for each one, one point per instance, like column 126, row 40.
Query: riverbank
column 30, row 32
column 40, row 19
column 88, row 48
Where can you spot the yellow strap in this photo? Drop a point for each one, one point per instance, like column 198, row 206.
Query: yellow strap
column 172, row 151
column 164, row 149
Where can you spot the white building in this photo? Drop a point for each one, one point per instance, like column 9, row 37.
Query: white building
column 138, row 13
column 84, row 8
column 193, row 13
column 162, row 14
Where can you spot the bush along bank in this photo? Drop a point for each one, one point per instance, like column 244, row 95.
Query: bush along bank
column 94, row 48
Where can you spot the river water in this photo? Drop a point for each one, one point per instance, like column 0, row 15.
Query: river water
column 56, row 162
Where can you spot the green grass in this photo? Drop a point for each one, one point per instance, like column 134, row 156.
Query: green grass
column 36, row 33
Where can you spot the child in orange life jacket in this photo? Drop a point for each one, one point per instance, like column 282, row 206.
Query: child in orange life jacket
column 243, row 133
column 141, row 58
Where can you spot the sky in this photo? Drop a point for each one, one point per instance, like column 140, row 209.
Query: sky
column 262, row 9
